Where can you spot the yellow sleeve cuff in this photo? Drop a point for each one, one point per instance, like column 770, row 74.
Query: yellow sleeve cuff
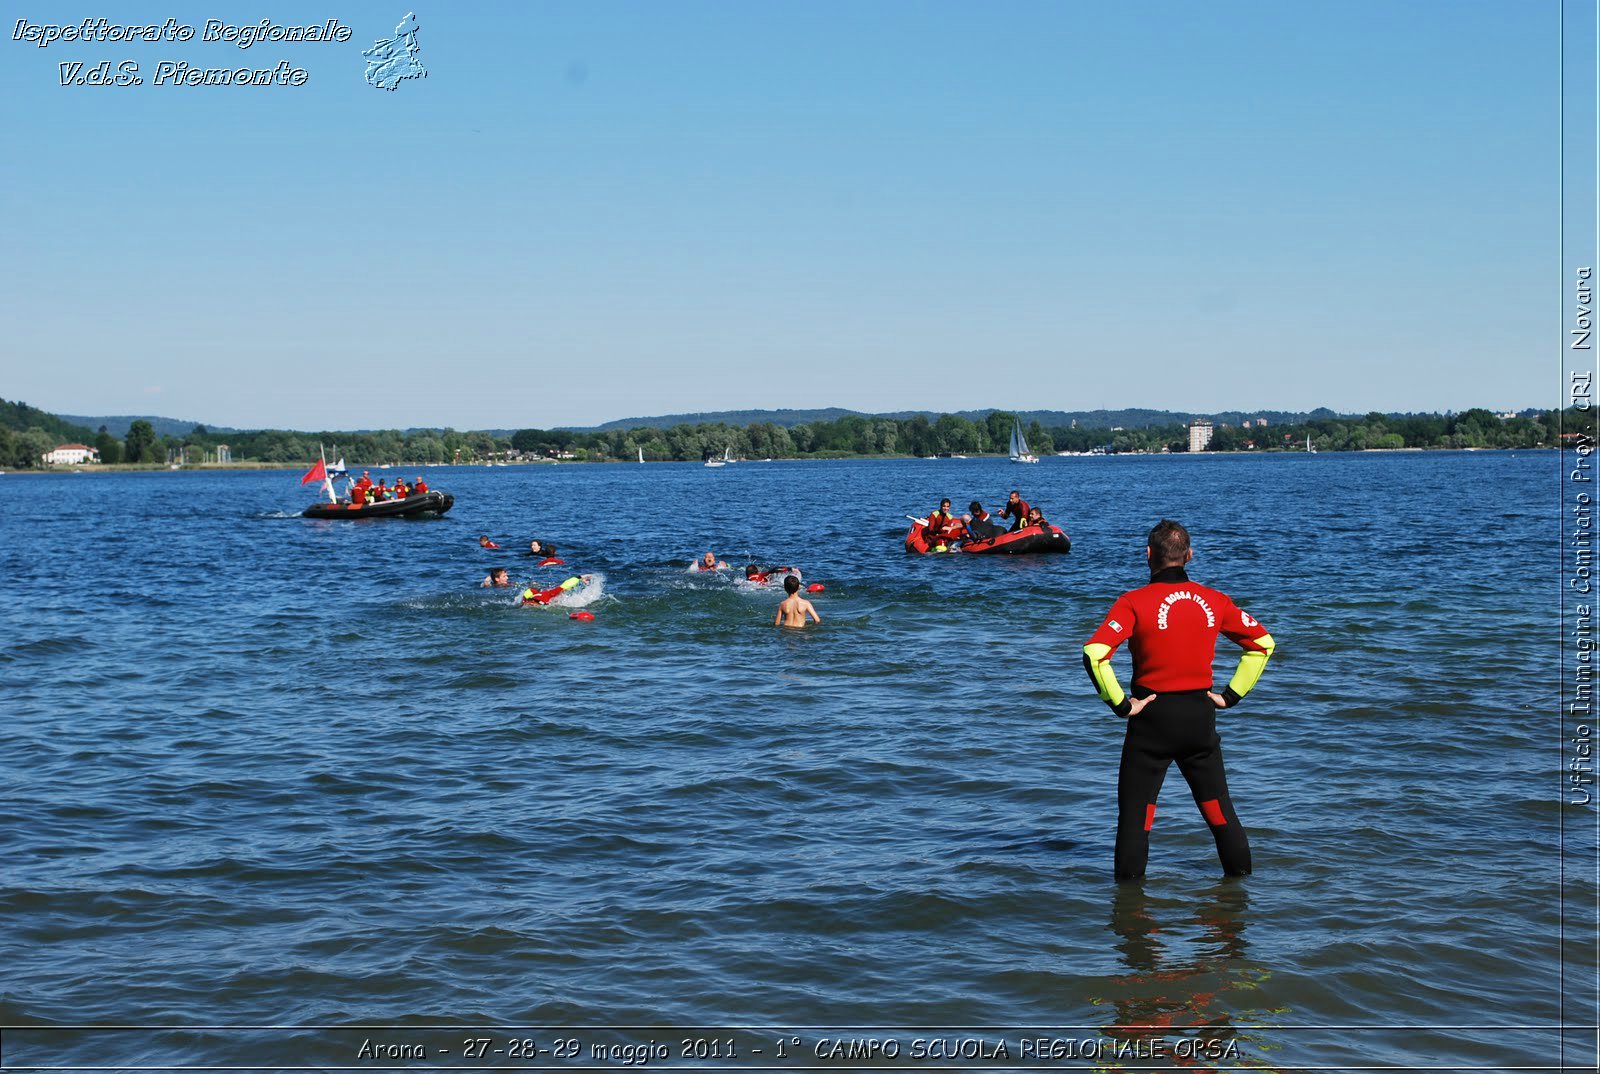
column 1097, row 662
column 1251, row 664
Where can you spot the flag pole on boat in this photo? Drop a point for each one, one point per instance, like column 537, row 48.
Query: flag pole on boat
column 327, row 482
column 319, row 472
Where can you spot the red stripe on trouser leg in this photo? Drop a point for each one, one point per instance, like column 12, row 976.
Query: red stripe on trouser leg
column 1149, row 817
column 1212, row 811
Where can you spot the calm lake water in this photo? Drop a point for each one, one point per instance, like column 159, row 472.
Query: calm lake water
column 265, row 771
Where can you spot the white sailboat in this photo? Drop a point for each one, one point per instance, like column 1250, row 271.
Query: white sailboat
column 719, row 462
column 641, row 455
column 1309, row 449
column 1019, row 445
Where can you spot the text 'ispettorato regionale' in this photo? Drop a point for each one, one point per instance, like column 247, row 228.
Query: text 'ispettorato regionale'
column 179, row 72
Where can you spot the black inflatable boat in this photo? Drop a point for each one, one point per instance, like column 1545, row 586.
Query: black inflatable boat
column 428, row 503
column 1029, row 539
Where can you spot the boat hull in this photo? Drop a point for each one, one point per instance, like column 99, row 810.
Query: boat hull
column 1028, row 541
column 429, row 503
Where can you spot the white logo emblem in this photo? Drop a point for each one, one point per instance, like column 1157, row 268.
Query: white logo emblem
column 1114, row 625
column 1245, row 618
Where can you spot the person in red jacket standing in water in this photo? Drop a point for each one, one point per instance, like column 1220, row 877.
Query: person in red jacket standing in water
column 1171, row 626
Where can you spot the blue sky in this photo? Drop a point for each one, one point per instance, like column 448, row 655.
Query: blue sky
column 593, row 210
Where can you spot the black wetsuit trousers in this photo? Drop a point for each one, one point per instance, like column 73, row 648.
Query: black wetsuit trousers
column 1179, row 727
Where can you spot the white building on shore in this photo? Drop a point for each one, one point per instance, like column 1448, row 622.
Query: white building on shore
column 1199, row 434
column 71, row 455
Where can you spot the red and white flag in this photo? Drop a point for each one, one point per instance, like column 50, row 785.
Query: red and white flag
column 319, row 472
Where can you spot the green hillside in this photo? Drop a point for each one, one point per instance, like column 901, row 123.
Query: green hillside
column 27, row 432
column 20, row 418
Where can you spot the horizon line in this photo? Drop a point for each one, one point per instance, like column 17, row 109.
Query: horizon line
column 711, row 416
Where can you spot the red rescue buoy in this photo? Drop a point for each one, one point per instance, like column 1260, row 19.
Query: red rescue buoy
column 552, row 562
column 815, row 587
column 586, row 617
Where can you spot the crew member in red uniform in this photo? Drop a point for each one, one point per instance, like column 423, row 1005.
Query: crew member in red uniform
column 943, row 528
column 400, row 489
column 1016, row 509
column 419, row 486
column 1171, row 626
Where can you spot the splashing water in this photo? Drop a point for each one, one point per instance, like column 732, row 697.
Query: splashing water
column 585, row 594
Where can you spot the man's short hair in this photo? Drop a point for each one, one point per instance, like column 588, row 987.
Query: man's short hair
column 1169, row 544
column 791, row 584
column 975, row 507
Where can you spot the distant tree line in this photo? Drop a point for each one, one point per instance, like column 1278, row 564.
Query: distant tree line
column 950, row 433
column 27, row 433
column 1476, row 428
column 365, row 448
column 851, row 435
column 25, row 436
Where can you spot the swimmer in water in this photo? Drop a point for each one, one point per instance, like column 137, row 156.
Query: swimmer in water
column 545, row 596
column 794, row 609
column 754, row 575
column 484, row 542
column 545, row 553
column 710, row 562
column 496, row 579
